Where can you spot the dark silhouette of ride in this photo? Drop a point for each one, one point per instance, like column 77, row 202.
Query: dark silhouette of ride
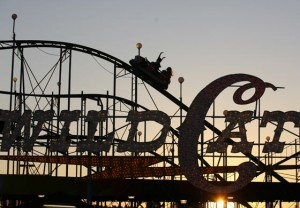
column 150, row 71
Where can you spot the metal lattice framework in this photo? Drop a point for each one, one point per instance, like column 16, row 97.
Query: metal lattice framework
column 53, row 91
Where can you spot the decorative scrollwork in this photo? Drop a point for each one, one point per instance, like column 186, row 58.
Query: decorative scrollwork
column 193, row 127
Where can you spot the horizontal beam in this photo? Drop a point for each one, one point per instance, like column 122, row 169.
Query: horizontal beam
column 21, row 186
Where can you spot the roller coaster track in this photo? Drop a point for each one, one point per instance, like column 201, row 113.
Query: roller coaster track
column 9, row 44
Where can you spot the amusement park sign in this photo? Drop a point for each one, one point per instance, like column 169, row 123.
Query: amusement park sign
column 189, row 132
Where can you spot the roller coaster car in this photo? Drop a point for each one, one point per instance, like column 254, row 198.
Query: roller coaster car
column 150, row 72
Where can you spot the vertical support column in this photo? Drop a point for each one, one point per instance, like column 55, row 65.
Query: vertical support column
column 214, row 111
column 21, row 108
column 136, row 106
column 69, row 95
column 106, row 125
column 132, row 88
column 59, row 88
column 114, row 107
column 50, row 127
column 14, row 17
column 83, row 133
column 138, row 46
column 297, row 162
column 225, row 165
column 58, row 103
column 258, row 101
column 136, row 92
column 82, row 128
column 70, row 79
column 15, row 92
column 16, row 164
column 22, row 84
column 181, row 80
column 268, row 179
column 101, row 131
column 49, row 135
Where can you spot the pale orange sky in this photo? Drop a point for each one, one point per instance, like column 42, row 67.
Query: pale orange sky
column 202, row 41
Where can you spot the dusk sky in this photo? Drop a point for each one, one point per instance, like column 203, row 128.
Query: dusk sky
column 202, row 40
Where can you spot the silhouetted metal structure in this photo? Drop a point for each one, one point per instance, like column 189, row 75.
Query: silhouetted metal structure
column 113, row 178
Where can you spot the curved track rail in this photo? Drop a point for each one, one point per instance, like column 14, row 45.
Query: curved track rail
column 9, row 44
column 21, row 44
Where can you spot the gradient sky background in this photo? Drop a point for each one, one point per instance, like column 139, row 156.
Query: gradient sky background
column 202, row 40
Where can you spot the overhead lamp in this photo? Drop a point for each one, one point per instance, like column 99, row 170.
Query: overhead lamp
column 14, row 16
column 139, row 45
column 180, row 80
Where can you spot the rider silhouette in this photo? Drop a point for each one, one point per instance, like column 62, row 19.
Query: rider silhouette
column 166, row 74
column 156, row 64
